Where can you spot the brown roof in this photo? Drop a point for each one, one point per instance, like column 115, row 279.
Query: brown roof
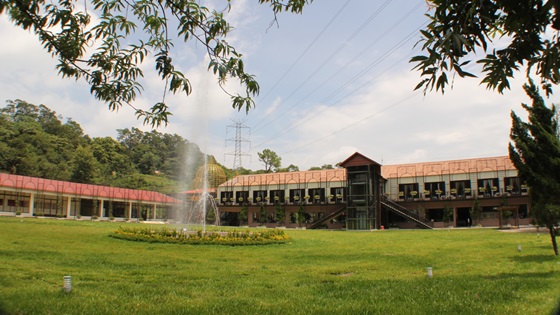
column 303, row 177
column 70, row 188
column 489, row 164
column 357, row 159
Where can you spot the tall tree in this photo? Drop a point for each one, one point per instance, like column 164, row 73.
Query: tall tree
column 270, row 159
column 84, row 166
column 535, row 152
column 460, row 29
column 107, row 51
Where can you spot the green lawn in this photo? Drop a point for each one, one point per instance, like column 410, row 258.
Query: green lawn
column 476, row 271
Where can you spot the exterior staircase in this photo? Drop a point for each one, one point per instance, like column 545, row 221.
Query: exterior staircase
column 326, row 218
column 405, row 213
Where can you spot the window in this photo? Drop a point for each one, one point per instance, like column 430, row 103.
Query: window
column 241, row 197
column 461, row 188
column 435, row 190
column 226, row 197
column 277, row 196
column 512, row 185
column 259, row 196
column 488, row 187
column 296, row 195
column 408, row 191
column 317, row 195
column 337, row 194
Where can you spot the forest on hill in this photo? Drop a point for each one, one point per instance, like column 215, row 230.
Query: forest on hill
column 35, row 141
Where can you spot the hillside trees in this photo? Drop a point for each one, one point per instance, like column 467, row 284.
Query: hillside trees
column 104, row 42
column 535, row 152
column 35, row 141
column 168, row 154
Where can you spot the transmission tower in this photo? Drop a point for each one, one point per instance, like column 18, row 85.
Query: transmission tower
column 238, row 141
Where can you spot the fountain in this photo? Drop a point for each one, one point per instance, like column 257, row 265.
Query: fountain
column 200, row 201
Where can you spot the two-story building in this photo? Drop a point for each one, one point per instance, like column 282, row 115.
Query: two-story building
column 362, row 195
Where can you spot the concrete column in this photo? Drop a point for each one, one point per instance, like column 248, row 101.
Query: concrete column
column 454, row 217
column 101, row 211
column 68, row 207
column 154, row 209
column 31, row 203
column 129, row 210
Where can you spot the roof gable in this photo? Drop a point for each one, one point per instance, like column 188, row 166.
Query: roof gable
column 358, row 159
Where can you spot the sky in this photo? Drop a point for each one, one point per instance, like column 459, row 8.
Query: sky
column 334, row 80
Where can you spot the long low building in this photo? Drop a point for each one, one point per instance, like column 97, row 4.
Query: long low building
column 363, row 195
column 37, row 196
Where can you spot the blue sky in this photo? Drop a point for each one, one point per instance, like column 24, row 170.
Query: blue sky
column 334, row 80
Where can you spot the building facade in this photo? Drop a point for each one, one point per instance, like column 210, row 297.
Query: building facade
column 363, row 195
column 32, row 196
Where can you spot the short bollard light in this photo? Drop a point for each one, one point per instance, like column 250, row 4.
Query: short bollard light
column 518, row 247
column 67, row 284
column 430, row 274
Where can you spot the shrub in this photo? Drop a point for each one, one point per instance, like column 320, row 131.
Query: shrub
column 232, row 238
column 39, row 213
column 18, row 212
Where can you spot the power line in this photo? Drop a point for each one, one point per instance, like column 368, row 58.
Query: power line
column 362, row 52
column 303, row 53
column 329, row 58
column 348, row 83
column 355, row 122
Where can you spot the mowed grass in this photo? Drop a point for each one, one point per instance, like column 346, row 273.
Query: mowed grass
column 475, row 271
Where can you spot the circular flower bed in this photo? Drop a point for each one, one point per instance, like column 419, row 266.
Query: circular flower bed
column 232, row 238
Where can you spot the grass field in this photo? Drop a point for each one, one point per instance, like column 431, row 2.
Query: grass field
column 475, row 271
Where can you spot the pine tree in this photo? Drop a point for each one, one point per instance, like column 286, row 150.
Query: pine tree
column 535, row 152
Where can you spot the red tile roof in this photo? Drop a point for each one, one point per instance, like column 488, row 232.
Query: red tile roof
column 499, row 163
column 77, row 189
column 321, row 176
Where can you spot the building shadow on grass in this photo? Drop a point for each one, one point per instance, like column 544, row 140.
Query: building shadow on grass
column 535, row 258
column 545, row 275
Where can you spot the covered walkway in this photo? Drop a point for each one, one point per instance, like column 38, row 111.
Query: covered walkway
column 38, row 196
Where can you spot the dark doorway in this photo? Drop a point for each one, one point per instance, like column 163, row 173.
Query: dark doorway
column 229, row 218
column 86, row 207
column 435, row 215
column 464, row 217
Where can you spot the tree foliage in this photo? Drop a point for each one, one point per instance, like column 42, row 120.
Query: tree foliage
column 535, row 152
column 270, row 159
column 459, row 29
column 105, row 42
column 35, row 141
